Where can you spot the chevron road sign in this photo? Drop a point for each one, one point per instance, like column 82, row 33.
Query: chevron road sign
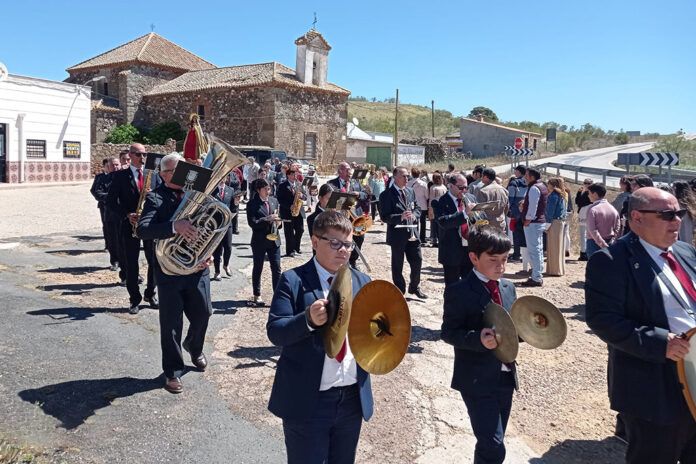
column 519, row 151
column 648, row 159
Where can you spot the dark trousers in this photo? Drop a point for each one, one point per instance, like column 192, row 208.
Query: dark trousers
column 649, row 443
column 259, row 253
column 293, row 233
column 434, row 232
column 110, row 229
column 235, row 223
column 489, row 413
column 415, row 260
column 359, row 240
column 181, row 295
column 373, row 207
column 454, row 272
column 423, row 221
column 131, row 252
column 331, row 434
column 224, row 251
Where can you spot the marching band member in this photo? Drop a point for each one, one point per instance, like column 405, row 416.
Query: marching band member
column 397, row 205
column 324, row 195
column 286, row 198
column 484, row 382
column 99, row 190
column 123, row 196
column 179, row 295
column 225, row 195
column 452, row 219
column 343, row 183
column 262, row 212
column 322, row 401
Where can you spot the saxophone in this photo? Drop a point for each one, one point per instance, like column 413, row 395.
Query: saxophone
column 178, row 256
column 141, row 200
column 297, row 202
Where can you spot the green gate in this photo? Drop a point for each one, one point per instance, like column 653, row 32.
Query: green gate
column 380, row 156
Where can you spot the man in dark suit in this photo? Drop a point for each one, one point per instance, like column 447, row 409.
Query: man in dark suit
column 344, row 183
column 123, row 196
column 324, row 195
column 640, row 297
column 322, row 401
column 235, row 185
column 225, row 195
column 451, row 212
column 397, row 206
column 179, row 295
column 99, row 190
column 486, row 384
column 295, row 227
column 262, row 212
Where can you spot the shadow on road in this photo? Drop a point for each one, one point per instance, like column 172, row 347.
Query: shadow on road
column 74, row 252
column 73, row 313
column 433, row 270
column 420, row 334
column 259, row 356
column 74, row 270
column 73, row 402
column 87, row 238
column 228, row 306
column 607, row 451
column 74, row 289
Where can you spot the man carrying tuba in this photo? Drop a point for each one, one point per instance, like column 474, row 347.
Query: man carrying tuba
column 179, row 294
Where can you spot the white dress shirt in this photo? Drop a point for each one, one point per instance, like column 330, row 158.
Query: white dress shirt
column 485, row 280
column 334, row 373
column 134, row 171
column 679, row 319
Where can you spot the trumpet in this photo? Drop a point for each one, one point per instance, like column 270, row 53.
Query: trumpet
column 273, row 234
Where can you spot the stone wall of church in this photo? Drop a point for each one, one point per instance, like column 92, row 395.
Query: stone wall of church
column 299, row 113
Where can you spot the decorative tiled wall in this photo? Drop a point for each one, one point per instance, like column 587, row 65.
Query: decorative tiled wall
column 49, row 171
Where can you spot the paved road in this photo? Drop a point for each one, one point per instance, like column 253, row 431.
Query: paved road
column 80, row 375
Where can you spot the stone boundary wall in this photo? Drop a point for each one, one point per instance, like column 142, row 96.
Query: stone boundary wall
column 102, row 150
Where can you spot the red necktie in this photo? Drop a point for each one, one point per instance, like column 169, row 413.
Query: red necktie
column 492, row 286
column 140, row 179
column 681, row 274
column 222, row 193
column 465, row 226
column 343, row 187
column 342, row 352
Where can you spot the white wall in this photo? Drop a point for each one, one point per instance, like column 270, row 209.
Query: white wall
column 55, row 112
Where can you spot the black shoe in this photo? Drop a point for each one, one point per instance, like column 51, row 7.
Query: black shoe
column 514, row 259
column 122, row 283
column 583, row 257
column 235, row 232
column 174, row 385
column 290, row 255
column 567, row 254
column 298, row 252
column 531, row 283
column 153, row 301
column 418, row 293
column 140, row 279
column 134, row 309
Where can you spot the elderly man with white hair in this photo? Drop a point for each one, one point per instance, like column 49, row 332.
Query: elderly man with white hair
column 179, row 295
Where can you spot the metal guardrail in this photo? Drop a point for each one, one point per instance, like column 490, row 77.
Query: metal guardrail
column 616, row 173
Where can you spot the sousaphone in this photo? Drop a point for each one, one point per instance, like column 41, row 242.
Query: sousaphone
column 377, row 323
column 686, row 370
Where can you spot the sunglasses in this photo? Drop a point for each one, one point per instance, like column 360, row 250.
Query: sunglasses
column 666, row 214
column 338, row 244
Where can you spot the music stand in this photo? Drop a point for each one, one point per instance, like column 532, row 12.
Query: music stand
column 341, row 200
column 308, row 181
column 191, row 177
column 359, row 174
column 153, row 160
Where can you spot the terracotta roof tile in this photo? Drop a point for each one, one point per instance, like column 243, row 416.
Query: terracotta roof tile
column 149, row 49
column 253, row 75
column 311, row 35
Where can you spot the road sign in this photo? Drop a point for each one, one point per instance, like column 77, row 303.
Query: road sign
column 550, row 134
column 518, row 142
column 648, row 159
column 521, row 152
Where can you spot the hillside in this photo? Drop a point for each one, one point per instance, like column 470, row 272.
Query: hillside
column 414, row 120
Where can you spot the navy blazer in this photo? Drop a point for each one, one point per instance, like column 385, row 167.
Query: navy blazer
column 298, row 374
column 476, row 369
column 256, row 210
column 624, row 307
column 312, row 217
column 123, row 194
column 391, row 206
column 450, row 251
column 286, row 197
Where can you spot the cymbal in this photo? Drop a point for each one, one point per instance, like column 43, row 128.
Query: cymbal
column 539, row 322
column 338, row 311
column 498, row 319
column 380, row 327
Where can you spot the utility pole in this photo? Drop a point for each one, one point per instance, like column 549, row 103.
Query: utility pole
column 396, row 131
column 432, row 116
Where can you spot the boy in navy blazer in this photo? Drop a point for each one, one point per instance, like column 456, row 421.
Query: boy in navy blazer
column 322, row 401
column 484, row 382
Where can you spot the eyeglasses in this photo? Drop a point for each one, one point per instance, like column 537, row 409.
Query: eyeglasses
column 461, row 187
column 338, row 244
column 666, row 214
column 162, row 171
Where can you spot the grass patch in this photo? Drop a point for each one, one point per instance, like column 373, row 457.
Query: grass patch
column 11, row 453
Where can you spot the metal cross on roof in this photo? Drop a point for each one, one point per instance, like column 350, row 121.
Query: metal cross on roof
column 314, row 23
column 152, row 27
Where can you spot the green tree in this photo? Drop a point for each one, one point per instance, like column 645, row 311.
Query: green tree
column 487, row 113
column 125, row 133
column 163, row 131
column 621, row 138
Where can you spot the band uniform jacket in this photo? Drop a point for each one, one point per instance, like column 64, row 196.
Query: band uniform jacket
column 100, row 188
column 227, row 199
column 156, row 223
column 476, row 369
column 391, row 207
column 256, row 211
column 624, row 307
column 123, row 194
column 298, row 374
column 312, row 217
column 286, row 197
column 450, row 251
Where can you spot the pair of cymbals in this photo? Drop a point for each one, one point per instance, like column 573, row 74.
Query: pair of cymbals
column 533, row 319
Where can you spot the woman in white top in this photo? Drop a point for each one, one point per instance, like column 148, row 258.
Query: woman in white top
column 420, row 188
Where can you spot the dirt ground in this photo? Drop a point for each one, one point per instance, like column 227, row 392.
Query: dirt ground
column 561, row 411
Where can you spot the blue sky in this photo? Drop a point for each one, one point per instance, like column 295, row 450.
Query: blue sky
column 618, row 64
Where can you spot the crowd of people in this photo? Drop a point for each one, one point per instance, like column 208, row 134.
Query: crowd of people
column 478, row 223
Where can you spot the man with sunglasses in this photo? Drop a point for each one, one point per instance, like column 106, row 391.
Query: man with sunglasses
column 322, row 401
column 640, row 297
column 122, row 199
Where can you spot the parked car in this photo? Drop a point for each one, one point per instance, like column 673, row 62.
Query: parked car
column 261, row 154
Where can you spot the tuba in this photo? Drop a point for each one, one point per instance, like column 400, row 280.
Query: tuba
column 178, row 256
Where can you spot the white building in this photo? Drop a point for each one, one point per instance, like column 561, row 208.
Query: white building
column 44, row 130
column 377, row 148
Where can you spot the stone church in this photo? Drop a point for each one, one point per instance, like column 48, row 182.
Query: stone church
column 151, row 80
